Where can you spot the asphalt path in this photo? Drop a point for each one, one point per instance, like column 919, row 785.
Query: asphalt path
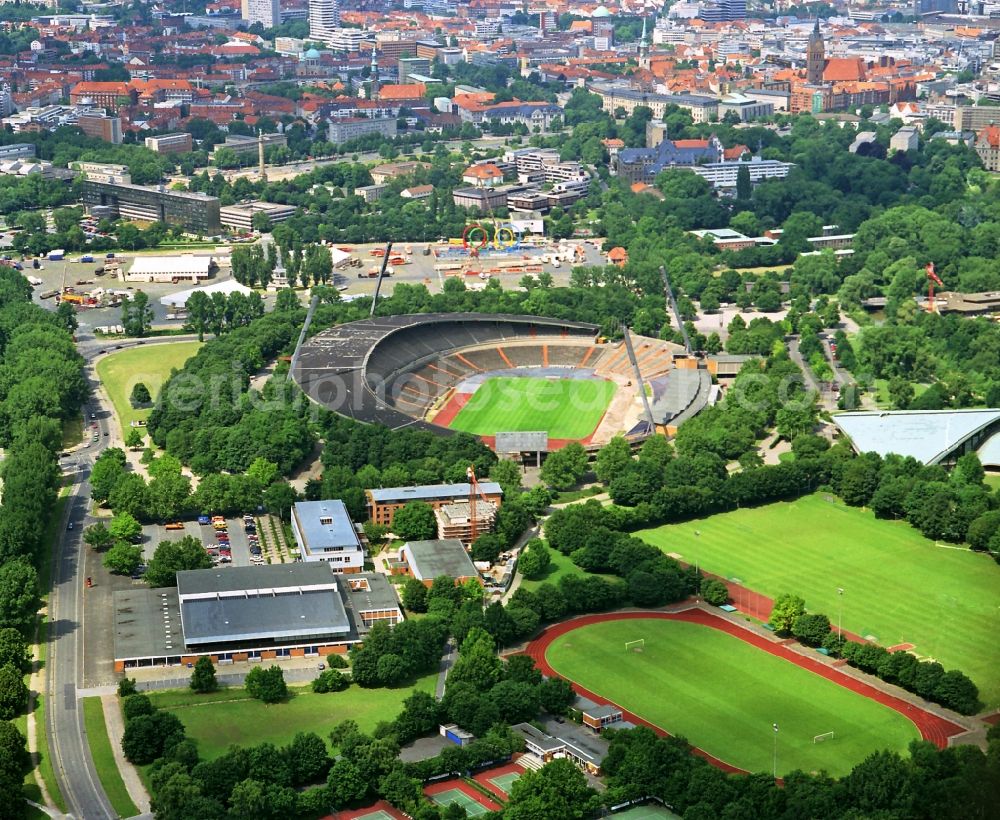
column 67, row 738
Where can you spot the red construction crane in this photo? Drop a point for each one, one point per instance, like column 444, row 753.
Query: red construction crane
column 932, row 279
column 474, row 490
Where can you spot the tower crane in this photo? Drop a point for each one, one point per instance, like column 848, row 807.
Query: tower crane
column 474, row 491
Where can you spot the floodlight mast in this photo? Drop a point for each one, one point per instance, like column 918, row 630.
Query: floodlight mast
column 381, row 276
column 672, row 304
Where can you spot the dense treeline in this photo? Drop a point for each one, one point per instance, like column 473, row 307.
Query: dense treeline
column 41, row 385
column 930, row 784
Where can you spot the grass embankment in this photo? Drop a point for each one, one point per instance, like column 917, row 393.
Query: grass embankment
column 564, row 408
column 104, row 758
column 724, row 696
column 229, row 716
column 899, row 587
column 119, row 372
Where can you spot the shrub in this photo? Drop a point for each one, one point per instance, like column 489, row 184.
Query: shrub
column 714, row 592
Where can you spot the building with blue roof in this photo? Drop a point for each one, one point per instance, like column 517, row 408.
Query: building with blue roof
column 325, row 532
column 929, row 436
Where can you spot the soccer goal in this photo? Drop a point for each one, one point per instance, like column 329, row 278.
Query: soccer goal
column 822, row 737
column 635, row 646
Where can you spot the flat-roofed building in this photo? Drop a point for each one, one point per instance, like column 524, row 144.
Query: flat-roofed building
column 173, row 269
column 427, row 560
column 233, row 614
column 725, row 174
column 343, row 129
column 324, row 532
column 384, row 501
column 242, row 145
column 241, row 216
column 103, row 172
column 101, row 126
column 195, row 212
column 179, row 143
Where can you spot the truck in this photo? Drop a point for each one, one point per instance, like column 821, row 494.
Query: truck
column 56, row 255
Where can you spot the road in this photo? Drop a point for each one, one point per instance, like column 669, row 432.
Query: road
column 67, row 739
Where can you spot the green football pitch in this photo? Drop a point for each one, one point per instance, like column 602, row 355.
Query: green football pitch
column 899, row 587
column 564, row 408
column 724, row 696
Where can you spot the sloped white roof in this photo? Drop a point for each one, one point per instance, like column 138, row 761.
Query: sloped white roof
column 226, row 286
column 927, row 435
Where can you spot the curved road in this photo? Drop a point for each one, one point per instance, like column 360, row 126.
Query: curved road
column 67, row 738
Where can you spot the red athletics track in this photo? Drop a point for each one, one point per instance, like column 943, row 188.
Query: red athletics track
column 931, row 727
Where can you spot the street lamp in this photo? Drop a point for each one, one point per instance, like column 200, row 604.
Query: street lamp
column 840, row 612
column 774, row 765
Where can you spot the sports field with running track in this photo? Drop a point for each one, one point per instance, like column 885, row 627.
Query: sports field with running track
column 564, row 408
column 899, row 587
column 724, row 695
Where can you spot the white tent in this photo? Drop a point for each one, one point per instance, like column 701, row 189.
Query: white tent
column 227, row 286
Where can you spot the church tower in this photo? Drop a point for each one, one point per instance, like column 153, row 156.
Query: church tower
column 815, row 57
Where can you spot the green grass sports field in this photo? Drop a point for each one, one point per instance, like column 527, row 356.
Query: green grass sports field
column 724, row 695
column 564, row 408
column 150, row 364
column 898, row 586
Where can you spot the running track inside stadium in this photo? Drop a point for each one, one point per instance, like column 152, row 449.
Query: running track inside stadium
column 931, row 727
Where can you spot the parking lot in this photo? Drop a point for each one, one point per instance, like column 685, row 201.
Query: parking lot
column 239, row 540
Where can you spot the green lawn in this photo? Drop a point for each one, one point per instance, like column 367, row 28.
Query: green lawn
column 724, row 695
column 218, row 722
column 104, row 758
column 564, row 408
column 560, row 566
column 993, row 481
column 898, row 586
column 149, row 364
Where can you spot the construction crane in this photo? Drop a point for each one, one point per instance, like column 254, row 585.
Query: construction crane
column 474, row 491
column 672, row 304
column 932, row 279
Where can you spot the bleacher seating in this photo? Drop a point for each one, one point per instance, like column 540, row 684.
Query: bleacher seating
column 521, row 355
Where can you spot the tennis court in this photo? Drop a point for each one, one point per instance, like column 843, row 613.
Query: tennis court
column 472, row 807
column 505, row 781
column 650, row 812
column 376, row 815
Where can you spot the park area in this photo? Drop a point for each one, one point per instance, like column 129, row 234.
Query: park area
column 564, row 408
column 230, row 716
column 724, row 695
column 150, row 364
column 899, row 587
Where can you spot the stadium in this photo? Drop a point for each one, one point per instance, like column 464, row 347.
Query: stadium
column 491, row 373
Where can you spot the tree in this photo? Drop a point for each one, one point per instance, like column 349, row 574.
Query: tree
column 147, row 736
column 744, row 188
column 415, row 522
column 900, row 392
column 254, row 798
column 267, row 685
column 811, row 629
column 123, row 559
column 137, row 315
column 535, row 558
column 786, row 609
column 124, row 527
column 308, row 758
column 563, row 468
column 140, row 396
column 19, row 599
column 414, row 595
column 97, row 536
column 477, row 661
column 203, row 677
column 507, row 474
column 13, row 692
column 135, row 705
column 329, row 680
column 613, row 459
column 173, row 556
column 714, row 592
column 134, row 440
column 15, row 762
column 557, row 791
column 14, row 650
column 487, row 547
column 346, row 783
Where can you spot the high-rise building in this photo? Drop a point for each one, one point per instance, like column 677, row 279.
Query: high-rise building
column 265, row 12
column 815, row 56
column 324, row 17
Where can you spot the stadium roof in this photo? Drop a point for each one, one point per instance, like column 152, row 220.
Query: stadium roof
column 336, row 368
column 227, row 286
column 445, row 556
column 930, row 436
column 989, row 453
